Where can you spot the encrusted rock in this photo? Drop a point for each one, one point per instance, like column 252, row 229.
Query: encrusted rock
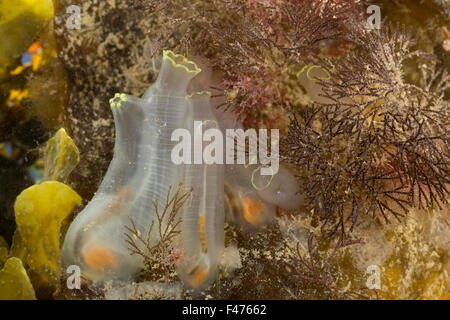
column 108, row 54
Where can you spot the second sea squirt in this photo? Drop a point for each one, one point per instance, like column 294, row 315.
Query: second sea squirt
column 202, row 232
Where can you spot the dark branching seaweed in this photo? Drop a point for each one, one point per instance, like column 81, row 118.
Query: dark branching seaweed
column 253, row 44
column 380, row 144
column 316, row 269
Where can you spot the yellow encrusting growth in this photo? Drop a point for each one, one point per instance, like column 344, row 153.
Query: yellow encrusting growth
column 14, row 282
column 417, row 269
column 180, row 61
column 16, row 97
column 61, row 156
column 40, row 210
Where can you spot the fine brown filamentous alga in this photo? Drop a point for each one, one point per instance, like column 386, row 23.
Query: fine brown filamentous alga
column 379, row 144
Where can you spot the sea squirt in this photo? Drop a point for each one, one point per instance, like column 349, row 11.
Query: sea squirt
column 140, row 172
column 252, row 198
column 202, row 233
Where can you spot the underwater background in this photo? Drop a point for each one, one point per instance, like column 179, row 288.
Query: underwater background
column 358, row 210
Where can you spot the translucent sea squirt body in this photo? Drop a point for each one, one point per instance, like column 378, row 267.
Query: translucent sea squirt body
column 202, row 231
column 140, row 172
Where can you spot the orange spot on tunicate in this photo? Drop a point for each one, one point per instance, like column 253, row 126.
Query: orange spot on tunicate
column 121, row 196
column 201, row 232
column 252, row 210
column 100, row 258
column 198, row 276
